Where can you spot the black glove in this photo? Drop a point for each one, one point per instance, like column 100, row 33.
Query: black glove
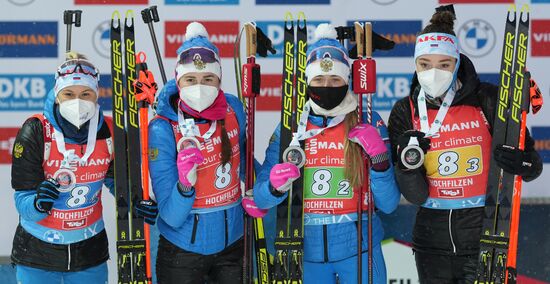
column 46, row 194
column 264, row 43
column 378, row 43
column 513, row 160
column 148, row 210
column 403, row 141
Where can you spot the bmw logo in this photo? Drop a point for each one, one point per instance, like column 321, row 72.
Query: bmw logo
column 101, row 39
column 477, row 38
column 52, row 236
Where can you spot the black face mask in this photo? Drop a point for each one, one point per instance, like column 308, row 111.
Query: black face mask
column 327, row 97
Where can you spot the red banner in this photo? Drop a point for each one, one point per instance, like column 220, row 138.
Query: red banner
column 7, row 138
column 540, row 39
column 270, row 93
column 221, row 33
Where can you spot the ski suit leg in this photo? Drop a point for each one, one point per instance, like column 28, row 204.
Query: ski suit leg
column 93, row 275
column 465, row 268
column 347, row 268
column 175, row 265
column 319, row 272
column 30, row 275
column 434, row 268
column 227, row 266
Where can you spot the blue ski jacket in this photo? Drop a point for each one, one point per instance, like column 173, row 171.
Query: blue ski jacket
column 337, row 241
column 210, row 230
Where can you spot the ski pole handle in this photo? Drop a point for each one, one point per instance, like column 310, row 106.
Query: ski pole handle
column 251, row 71
column 71, row 17
column 150, row 15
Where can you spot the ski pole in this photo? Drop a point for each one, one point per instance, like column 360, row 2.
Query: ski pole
column 250, row 86
column 371, row 89
column 71, row 17
column 149, row 16
column 364, row 83
column 237, row 63
column 534, row 101
column 146, row 88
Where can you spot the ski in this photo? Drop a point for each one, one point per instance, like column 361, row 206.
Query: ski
column 127, row 166
column 282, row 237
column 120, row 162
column 133, row 143
column 290, row 224
column 514, row 85
column 297, row 212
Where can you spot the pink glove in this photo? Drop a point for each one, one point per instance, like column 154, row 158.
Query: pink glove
column 368, row 137
column 188, row 161
column 282, row 176
column 250, row 206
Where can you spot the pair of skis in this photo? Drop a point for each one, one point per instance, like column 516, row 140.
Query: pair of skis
column 499, row 235
column 289, row 237
column 133, row 260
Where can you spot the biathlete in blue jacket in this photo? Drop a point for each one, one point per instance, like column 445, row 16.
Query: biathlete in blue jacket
column 334, row 168
column 196, row 146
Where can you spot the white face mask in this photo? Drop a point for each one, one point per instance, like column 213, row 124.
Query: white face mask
column 77, row 111
column 199, row 97
column 435, row 82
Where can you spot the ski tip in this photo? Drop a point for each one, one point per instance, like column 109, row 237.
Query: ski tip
column 525, row 8
column 253, row 24
column 115, row 15
column 511, row 15
column 129, row 14
column 288, row 17
column 301, row 16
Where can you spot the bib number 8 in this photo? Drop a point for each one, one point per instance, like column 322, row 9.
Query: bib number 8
column 78, row 196
column 447, row 163
column 223, row 176
column 321, row 185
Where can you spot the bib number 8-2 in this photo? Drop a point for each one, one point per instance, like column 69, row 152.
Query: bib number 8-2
column 321, row 184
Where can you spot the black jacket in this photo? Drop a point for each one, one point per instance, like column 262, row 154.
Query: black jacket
column 26, row 174
column 447, row 231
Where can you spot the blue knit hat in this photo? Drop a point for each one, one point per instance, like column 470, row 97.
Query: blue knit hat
column 197, row 53
column 327, row 56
